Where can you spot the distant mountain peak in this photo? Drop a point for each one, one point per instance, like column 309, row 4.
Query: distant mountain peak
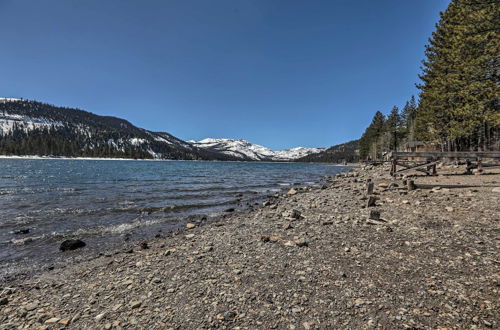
column 246, row 150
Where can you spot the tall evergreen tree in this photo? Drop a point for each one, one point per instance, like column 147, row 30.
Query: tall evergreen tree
column 368, row 142
column 460, row 78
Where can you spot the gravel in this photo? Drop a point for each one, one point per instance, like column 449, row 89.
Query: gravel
column 308, row 260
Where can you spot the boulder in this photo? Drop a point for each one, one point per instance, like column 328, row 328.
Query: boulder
column 71, row 244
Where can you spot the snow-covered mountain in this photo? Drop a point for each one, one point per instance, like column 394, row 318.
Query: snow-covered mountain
column 34, row 128
column 245, row 150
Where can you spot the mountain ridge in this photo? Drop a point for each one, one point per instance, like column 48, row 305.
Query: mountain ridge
column 35, row 128
column 249, row 151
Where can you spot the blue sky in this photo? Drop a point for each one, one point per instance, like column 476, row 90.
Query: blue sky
column 280, row 73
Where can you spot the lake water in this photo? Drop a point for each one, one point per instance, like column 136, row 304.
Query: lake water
column 110, row 203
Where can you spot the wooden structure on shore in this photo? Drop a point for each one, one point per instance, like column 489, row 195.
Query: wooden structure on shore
column 426, row 161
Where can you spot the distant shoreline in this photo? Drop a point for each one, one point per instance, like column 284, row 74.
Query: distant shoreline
column 160, row 160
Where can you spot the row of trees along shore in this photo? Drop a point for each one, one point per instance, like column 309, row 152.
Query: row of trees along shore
column 459, row 102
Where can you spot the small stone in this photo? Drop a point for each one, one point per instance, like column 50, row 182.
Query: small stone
column 99, row 317
column 190, row 226
column 266, row 203
column 52, row 320
column 405, row 202
column 374, row 215
column 4, row 301
column 292, row 214
column 31, row 306
column 189, row 236
column 135, row 304
column 300, row 242
column 449, row 209
column 144, row 245
column 265, row 238
column 65, row 322
column 383, row 185
column 496, row 189
column 292, row 192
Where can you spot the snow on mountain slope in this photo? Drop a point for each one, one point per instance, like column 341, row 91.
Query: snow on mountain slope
column 245, row 150
column 50, row 130
column 10, row 121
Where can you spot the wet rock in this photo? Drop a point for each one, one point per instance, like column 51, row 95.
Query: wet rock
column 22, row 231
column 71, row 244
column 231, row 209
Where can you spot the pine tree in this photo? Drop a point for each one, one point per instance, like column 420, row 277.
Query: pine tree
column 460, row 81
column 369, row 141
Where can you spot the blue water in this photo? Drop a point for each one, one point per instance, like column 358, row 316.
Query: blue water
column 107, row 202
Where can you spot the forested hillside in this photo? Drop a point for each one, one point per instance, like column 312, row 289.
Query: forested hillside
column 34, row 128
column 345, row 152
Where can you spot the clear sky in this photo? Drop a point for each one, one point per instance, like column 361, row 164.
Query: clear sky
column 280, row 73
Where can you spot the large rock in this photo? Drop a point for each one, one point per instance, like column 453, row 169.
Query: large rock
column 71, row 244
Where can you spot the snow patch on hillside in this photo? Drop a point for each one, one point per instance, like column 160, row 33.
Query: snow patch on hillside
column 9, row 121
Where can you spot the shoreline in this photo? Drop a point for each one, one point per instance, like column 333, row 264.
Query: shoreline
column 167, row 160
column 430, row 260
column 160, row 229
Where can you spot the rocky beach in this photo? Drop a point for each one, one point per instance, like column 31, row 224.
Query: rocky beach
column 329, row 258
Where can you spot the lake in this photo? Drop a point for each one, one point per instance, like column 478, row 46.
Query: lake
column 111, row 203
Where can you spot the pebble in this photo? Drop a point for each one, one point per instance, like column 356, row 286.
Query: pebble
column 135, row 304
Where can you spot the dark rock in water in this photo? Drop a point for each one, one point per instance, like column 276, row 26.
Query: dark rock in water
column 22, row 231
column 229, row 210
column 144, row 245
column 71, row 244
